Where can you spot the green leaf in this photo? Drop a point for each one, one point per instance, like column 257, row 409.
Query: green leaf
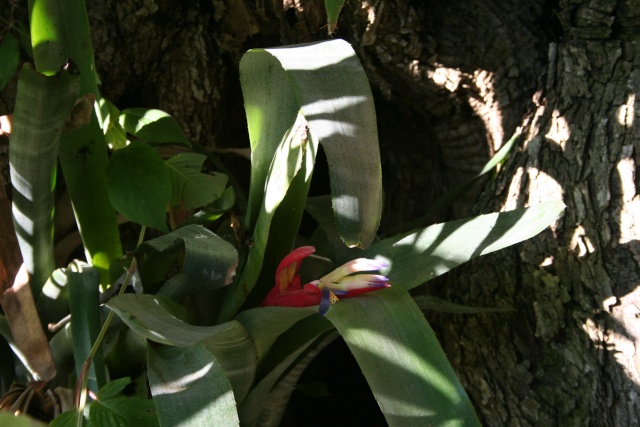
column 153, row 126
column 59, row 31
column 43, row 104
column 7, row 419
column 9, row 58
column 256, row 407
column 113, row 410
column 300, row 96
column 190, row 388
column 400, row 357
column 441, row 247
column 215, row 210
column 333, row 8
column 68, row 419
column 138, row 185
column 113, row 388
column 189, row 186
column 326, row 83
column 429, row 302
column 266, row 324
column 108, row 115
column 209, row 263
column 84, row 300
column 229, row 343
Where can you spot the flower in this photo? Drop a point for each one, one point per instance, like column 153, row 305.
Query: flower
column 348, row 280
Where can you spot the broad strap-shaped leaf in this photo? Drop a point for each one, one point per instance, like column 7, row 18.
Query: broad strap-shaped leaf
column 209, row 261
column 229, row 343
column 138, row 185
column 189, row 186
column 400, row 357
column 327, row 84
column 153, row 126
column 9, row 58
column 190, row 388
column 60, row 30
column 112, row 409
column 43, row 104
column 417, row 257
column 84, row 299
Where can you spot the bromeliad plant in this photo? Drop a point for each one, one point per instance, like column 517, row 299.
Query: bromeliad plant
column 220, row 324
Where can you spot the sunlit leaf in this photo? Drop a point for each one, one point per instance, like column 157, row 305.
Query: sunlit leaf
column 417, row 257
column 189, row 186
column 43, row 104
column 138, row 185
column 326, row 83
column 153, row 126
column 190, row 388
column 400, row 357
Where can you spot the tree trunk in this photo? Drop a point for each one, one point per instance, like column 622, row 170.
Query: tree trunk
column 453, row 81
column 569, row 353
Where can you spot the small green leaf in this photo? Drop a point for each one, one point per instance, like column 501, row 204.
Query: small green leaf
column 153, row 126
column 9, row 58
column 189, row 186
column 113, row 388
column 213, row 211
column 110, row 409
column 138, row 185
column 190, row 388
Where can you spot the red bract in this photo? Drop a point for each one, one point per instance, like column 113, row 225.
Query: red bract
column 288, row 291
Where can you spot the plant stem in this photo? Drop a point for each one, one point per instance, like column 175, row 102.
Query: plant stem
column 81, row 388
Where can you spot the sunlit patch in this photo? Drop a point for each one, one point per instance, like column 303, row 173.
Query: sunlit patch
column 626, row 111
column 559, row 131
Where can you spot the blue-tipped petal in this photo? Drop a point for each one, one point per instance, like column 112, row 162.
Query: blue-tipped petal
column 325, row 301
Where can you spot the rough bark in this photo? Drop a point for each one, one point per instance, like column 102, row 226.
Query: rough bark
column 569, row 352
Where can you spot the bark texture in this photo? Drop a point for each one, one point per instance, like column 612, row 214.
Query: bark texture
column 569, row 353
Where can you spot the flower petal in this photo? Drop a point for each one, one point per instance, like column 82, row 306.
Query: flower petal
column 354, row 266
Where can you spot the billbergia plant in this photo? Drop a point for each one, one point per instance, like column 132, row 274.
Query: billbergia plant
column 214, row 313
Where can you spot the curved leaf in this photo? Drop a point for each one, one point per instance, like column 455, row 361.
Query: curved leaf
column 402, row 360
column 331, row 90
column 209, row 261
